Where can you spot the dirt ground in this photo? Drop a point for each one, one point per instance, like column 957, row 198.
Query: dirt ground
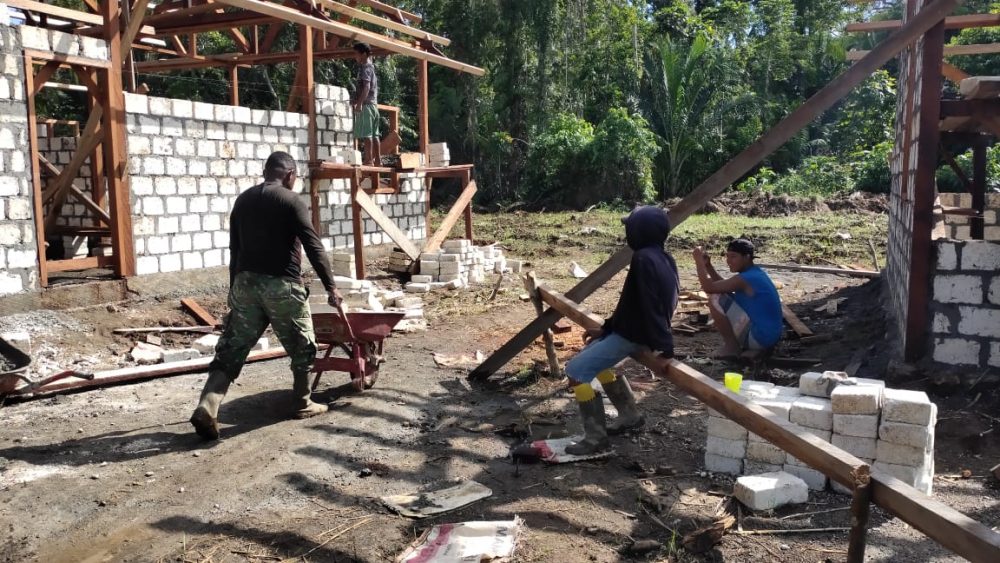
column 117, row 475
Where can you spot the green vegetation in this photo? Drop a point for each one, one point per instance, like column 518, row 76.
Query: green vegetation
column 609, row 101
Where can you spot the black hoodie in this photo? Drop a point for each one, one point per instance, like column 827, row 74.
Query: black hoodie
column 649, row 296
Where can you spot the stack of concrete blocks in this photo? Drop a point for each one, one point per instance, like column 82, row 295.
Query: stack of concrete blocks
column 18, row 246
column 343, row 265
column 399, row 261
column 890, row 429
column 367, row 296
column 438, row 155
column 458, row 264
column 966, row 304
column 411, row 306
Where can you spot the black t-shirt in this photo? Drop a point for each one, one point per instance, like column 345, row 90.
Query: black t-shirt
column 268, row 229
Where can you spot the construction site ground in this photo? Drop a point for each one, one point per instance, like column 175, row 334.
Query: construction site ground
column 117, row 475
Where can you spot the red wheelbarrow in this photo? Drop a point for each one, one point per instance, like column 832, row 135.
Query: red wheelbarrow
column 360, row 337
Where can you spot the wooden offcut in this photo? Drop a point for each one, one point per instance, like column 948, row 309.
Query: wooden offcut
column 199, row 312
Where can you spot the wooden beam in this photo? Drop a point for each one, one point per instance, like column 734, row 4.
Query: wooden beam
column 308, row 96
column 953, row 73
column 382, row 220
column 822, row 270
column 65, row 13
column 531, row 286
column 383, row 22
column 44, row 75
column 234, row 85
column 951, row 22
column 270, row 37
column 357, row 226
column 423, row 105
column 112, row 97
column 354, row 33
column 795, row 322
column 938, row 521
column 390, row 10
column 569, row 309
column 979, row 171
column 134, row 24
column 733, row 170
column 76, row 264
column 66, row 60
column 89, row 139
column 199, row 312
column 77, row 192
column 949, row 50
column 454, row 214
column 36, row 177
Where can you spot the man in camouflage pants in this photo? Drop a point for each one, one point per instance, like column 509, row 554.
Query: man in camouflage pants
column 268, row 229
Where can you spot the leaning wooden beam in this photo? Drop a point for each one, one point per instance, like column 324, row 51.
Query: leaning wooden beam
column 387, row 224
column 351, row 32
column 43, row 76
column 77, row 192
column 951, row 22
column 949, row 50
column 733, row 170
column 822, row 270
column 382, row 22
column 454, row 214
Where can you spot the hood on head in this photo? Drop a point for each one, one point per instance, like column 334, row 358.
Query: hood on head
column 646, row 226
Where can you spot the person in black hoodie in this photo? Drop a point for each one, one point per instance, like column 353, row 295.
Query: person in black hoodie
column 641, row 322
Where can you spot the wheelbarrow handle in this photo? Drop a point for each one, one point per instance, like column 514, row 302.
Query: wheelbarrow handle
column 347, row 322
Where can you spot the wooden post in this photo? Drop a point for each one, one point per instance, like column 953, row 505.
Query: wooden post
column 977, row 225
column 423, row 132
column 359, row 226
column 129, row 61
column 860, row 514
column 115, row 158
column 234, row 81
column 36, row 177
column 467, row 212
column 306, row 39
column 531, row 285
column 733, row 170
column 314, row 203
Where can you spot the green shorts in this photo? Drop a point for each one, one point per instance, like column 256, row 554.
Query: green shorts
column 366, row 122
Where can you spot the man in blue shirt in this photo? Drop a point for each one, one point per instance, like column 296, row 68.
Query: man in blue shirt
column 745, row 308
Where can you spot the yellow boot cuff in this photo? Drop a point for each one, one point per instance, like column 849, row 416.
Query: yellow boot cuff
column 607, row 376
column 584, row 392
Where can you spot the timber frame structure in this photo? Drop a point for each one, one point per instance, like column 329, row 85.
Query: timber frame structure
column 920, row 40
column 162, row 38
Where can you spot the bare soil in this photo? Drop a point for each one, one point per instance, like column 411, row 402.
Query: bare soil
column 117, row 474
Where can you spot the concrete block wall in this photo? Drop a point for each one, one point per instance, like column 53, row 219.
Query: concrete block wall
column 190, row 160
column 957, row 226
column 59, row 151
column 18, row 245
column 965, row 303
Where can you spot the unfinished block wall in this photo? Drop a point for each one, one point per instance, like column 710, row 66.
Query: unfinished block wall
column 18, row 246
column 958, row 226
column 966, row 303
column 190, row 160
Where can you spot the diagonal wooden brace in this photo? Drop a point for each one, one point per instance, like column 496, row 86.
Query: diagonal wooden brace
column 454, row 214
column 387, row 224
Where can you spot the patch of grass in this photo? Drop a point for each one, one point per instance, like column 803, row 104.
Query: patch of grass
column 588, row 238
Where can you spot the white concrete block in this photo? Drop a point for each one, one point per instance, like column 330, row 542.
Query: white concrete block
column 261, row 345
column 812, row 412
column 180, row 355
column 422, row 279
column 726, row 448
column 947, row 258
column 770, row 490
column 145, row 353
column 726, row 429
column 994, row 292
column 978, row 321
column 915, row 435
column 753, row 467
column 779, row 405
column 814, row 480
column 981, row 255
column 816, row 384
column 722, row 464
column 206, row 344
column 765, row 452
column 887, row 452
column 856, row 399
column 418, row 287
column 994, row 359
column 957, row 351
column 864, row 448
column 911, row 407
column 958, row 289
column 858, row 425
column 920, row 477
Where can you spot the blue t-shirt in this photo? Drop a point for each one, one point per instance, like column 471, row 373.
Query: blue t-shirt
column 763, row 307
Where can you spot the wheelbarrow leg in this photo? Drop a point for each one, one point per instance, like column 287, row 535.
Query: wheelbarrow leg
column 319, row 372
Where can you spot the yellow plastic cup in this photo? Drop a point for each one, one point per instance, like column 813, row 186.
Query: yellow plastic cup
column 733, row 381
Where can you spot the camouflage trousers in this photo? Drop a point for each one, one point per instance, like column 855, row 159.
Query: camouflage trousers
column 256, row 300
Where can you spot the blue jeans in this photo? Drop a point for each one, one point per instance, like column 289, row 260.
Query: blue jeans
column 601, row 354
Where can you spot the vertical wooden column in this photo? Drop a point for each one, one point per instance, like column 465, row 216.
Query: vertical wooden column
column 531, row 286
column 977, row 224
column 918, row 306
column 36, row 176
column 129, row 61
column 358, row 224
column 234, row 83
column 466, row 178
column 314, row 202
column 423, row 121
column 97, row 186
column 860, row 515
column 306, row 39
column 112, row 97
